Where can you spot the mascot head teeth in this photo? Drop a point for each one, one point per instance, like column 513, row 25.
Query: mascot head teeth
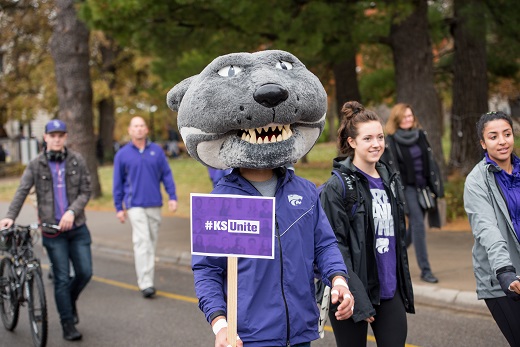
column 267, row 134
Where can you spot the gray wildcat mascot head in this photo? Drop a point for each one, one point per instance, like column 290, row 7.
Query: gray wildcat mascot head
column 251, row 110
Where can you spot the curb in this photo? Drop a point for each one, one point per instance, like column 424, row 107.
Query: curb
column 449, row 298
column 423, row 294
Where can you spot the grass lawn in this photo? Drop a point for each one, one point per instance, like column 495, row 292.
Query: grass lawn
column 192, row 177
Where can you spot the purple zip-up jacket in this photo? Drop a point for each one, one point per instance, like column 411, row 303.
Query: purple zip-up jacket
column 510, row 187
column 276, row 299
column 138, row 177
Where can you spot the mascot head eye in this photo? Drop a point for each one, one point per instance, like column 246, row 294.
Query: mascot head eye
column 229, row 71
column 284, row 65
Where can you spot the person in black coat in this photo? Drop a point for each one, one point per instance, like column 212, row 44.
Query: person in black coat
column 370, row 232
column 410, row 154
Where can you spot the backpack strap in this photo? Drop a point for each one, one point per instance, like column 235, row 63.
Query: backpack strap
column 351, row 194
column 351, row 205
column 342, row 180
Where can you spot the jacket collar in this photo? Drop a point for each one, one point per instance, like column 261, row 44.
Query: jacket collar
column 42, row 158
column 493, row 167
column 146, row 144
column 346, row 162
column 235, row 178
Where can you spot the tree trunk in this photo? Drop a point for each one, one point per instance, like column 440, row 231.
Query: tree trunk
column 514, row 106
column 332, row 116
column 413, row 61
column 470, row 85
column 69, row 47
column 347, row 89
column 109, row 52
column 105, row 147
column 345, row 76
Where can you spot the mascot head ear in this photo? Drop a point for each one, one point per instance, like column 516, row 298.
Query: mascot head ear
column 175, row 95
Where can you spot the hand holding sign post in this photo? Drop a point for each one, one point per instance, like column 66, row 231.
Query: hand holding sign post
column 232, row 226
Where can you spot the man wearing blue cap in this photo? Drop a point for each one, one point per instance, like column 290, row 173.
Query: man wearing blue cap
column 62, row 182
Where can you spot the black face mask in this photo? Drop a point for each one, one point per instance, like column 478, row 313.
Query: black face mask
column 57, row 156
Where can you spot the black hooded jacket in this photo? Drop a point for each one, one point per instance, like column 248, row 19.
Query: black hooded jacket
column 432, row 173
column 356, row 239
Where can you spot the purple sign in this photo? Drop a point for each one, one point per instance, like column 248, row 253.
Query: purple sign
column 232, row 225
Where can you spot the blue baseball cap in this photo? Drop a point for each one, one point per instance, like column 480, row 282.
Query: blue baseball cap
column 55, row 126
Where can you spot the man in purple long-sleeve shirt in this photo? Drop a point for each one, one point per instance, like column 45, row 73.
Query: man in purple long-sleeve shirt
column 139, row 168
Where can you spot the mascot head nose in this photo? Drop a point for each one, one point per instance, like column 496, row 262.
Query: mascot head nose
column 270, row 95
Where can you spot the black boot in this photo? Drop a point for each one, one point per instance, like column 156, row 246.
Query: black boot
column 69, row 331
column 429, row 277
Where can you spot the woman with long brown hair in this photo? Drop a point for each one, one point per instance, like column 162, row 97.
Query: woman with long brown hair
column 370, row 231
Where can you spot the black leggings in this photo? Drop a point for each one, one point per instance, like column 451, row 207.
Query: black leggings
column 506, row 314
column 390, row 326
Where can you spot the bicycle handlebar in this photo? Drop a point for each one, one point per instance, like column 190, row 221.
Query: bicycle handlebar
column 46, row 228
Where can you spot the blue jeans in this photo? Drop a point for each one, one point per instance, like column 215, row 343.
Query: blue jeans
column 73, row 245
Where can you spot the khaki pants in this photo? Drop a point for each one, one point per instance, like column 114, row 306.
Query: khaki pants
column 145, row 229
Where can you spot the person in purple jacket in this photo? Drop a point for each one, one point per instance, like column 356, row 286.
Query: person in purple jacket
column 257, row 113
column 139, row 168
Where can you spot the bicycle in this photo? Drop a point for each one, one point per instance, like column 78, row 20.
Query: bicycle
column 21, row 280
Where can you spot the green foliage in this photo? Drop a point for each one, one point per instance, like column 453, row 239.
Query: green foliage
column 378, row 86
column 502, row 66
column 185, row 35
column 324, row 137
column 453, row 193
column 438, row 11
column 27, row 73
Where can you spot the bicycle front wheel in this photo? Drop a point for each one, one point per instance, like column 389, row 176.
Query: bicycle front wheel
column 37, row 307
column 9, row 307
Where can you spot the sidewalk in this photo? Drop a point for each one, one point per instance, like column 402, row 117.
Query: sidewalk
column 449, row 254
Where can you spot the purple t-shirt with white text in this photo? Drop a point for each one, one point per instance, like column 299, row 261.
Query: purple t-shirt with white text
column 60, row 189
column 386, row 257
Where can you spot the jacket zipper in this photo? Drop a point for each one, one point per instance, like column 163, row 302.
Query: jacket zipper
column 501, row 194
column 288, row 343
column 401, row 279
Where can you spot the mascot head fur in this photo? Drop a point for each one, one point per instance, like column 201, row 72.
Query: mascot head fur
column 259, row 111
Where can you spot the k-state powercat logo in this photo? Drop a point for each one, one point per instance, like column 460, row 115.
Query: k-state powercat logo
column 295, row 199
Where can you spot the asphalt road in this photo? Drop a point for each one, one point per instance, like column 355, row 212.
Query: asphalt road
column 113, row 313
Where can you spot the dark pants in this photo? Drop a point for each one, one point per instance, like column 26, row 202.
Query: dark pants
column 73, row 245
column 390, row 326
column 416, row 232
column 506, row 314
